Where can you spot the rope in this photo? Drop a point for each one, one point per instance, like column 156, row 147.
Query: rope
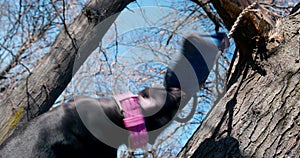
column 239, row 19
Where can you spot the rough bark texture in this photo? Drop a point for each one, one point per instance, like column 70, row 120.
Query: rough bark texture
column 46, row 82
column 250, row 33
column 259, row 115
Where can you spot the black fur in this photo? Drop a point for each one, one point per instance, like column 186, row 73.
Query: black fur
column 61, row 133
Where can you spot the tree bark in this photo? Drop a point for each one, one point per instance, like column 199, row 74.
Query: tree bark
column 251, row 32
column 259, row 115
column 46, row 82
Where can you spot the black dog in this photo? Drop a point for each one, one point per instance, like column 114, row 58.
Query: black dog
column 62, row 132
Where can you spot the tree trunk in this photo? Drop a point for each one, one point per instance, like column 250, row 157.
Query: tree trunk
column 259, row 115
column 46, row 82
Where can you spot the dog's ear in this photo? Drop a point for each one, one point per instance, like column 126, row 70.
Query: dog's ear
column 193, row 65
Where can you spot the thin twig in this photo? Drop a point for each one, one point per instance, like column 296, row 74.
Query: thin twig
column 63, row 19
column 183, row 22
column 212, row 16
column 116, row 42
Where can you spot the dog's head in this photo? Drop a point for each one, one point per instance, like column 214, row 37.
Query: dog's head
column 159, row 105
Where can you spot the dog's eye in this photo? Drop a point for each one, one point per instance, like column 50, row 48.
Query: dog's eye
column 144, row 95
